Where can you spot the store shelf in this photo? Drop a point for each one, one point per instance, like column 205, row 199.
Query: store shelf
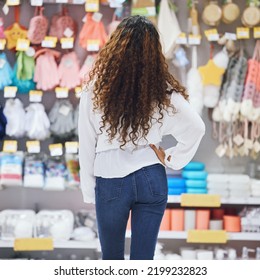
column 71, row 244
column 176, row 199
column 238, row 236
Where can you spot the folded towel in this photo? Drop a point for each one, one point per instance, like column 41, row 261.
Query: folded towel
column 222, row 193
column 239, row 193
column 194, row 165
column 174, row 182
column 195, row 175
column 238, row 186
column 217, row 178
column 197, row 190
column 238, row 178
column 255, row 193
column 218, row 185
column 196, row 184
column 176, row 191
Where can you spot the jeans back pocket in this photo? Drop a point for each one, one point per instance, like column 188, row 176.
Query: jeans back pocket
column 108, row 189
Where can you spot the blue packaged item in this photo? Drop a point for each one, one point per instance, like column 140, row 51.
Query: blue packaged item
column 195, row 175
column 196, row 184
column 6, row 72
column 174, row 182
column 176, row 191
column 197, row 190
column 194, row 165
column 23, row 86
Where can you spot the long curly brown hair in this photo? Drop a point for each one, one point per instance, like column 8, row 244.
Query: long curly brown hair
column 131, row 79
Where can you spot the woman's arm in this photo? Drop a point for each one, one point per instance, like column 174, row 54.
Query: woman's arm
column 187, row 127
column 87, row 148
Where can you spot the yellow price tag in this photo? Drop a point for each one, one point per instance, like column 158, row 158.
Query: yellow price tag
column 207, row 236
column 33, row 244
column 92, row 6
column 256, row 32
column 93, row 45
column 67, row 43
column 62, row 92
column 22, row 44
column 33, row 147
column 56, row 149
column 182, row 39
column 13, row 2
column 243, row 33
column 71, row 147
column 2, row 44
column 212, row 34
column 49, row 42
column 35, row 95
column 194, row 39
column 10, row 146
column 10, row 92
column 200, row 200
column 78, row 91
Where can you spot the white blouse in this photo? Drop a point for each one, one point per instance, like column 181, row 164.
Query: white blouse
column 99, row 157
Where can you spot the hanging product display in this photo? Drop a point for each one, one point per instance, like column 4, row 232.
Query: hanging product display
column 169, row 28
column 37, row 124
column 6, row 72
column 72, row 164
column 212, row 13
column 194, row 84
column 211, row 75
column 193, row 21
column 62, row 119
column 15, row 31
column 69, row 71
column 63, row 25
column 38, row 26
column 46, row 70
column 251, row 15
column 15, row 116
column 24, row 72
column 230, row 11
column 33, row 171
column 86, row 68
column 92, row 30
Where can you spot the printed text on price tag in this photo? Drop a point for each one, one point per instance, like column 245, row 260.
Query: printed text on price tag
column 67, row 43
column 93, row 45
column 49, row 42
column 10, row 92
column 35, row 96
column 13, row 2
column 212, row 35
column 71, row 147
column 10, row 146
column 92, row 6
column 56, row 150
column 62, row 92
column 22, row 44
column 2, row 44
column 182, row 39
column 243, row 33
column 33, row 147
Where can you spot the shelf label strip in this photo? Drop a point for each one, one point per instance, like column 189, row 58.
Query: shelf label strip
column 200, row 200
column 207, row 236
column 33, row 244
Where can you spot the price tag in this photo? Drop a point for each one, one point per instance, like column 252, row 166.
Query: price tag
column 67, row 43
column 64, row 110
column 62, row 92
column 35, row 95
column 33, row 147
column 146, row 11
column 92, row 6
column 68, row 32
column 231, row 36
column 22, row 44
column 33, row 244
column 243, row 33
column 182, row 39
column 78, row 91
column 194, row 39
column 62, row 1
column 56, row 150
column 13, row 2
column 212, row 35
column 2, row 44
column 97, row 17
column 78, row 1
column 207, row 236
column 49, row 42
column 72, row 147
column 10, row 146
column 10, row 92
column 5, row 9
column 93, row 45
column 36, row 2
column 256, row 32
column 200, row 200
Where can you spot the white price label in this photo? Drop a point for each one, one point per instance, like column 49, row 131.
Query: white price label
column 182, row 39
column 62, row 92
column 151, row 11
column 213, row 37
column 64, row 110
column 5, row 9
column 13, row 2
column 67, row 43
column 93, row 45
column 36, row 2
column 68, row 32
column 33, row 147
column 35, row 96
column 22, row 45
column 56, row 150
column 49, row 42
column 2, row 44
column 92, row 6
column 231, row 36
column 10, row 146
column 62, row 1
column 71, row 147
column 97, row 17
column 194, row 40
column 10, row 92
column 78, row 91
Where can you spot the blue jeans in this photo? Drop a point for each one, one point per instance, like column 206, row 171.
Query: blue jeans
column 145, row 193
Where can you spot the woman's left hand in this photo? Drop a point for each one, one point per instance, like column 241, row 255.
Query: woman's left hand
column 160, row 153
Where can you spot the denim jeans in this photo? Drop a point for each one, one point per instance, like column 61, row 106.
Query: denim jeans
column 145, row 193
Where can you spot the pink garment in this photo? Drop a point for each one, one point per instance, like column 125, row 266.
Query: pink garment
column 46, row 72
column 2, row 35
column 69, row 71
column 86, row 68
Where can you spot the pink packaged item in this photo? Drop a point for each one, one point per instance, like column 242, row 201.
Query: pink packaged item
column 38, row 26
column 113, row 25
column 60, row 24
column 86, row 68
column 69, row 71
column 46, row 73
column 92, row 30
column 2, row 35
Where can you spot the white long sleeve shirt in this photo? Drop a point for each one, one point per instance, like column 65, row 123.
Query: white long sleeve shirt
column 99, row 157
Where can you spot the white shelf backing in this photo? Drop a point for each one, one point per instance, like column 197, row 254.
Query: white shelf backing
column 243, row 236
column 71, row 244
column 236, row 200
